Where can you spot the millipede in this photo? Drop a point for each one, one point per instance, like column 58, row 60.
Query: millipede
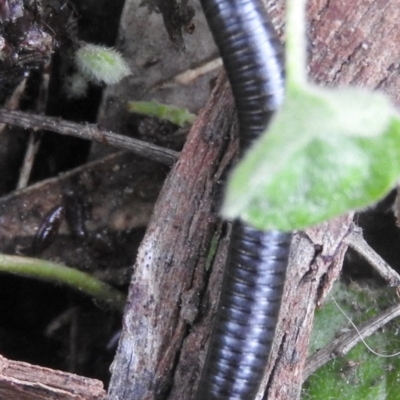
column 253, row 281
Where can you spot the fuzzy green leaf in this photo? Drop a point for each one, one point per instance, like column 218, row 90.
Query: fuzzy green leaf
column 326, row 152
column 101, row 64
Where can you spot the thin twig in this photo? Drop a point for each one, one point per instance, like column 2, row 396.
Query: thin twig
column 356, row 241
column 30, row 153
column 13, row 102
column 190, row 75
column 89, row 132
column 35, row 138
column 344, row 343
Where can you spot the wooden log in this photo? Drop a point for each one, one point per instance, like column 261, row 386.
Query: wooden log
column 23, row 381
column 172, row 266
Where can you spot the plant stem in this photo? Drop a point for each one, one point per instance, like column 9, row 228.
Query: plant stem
column 296, row 55
column 40, row 269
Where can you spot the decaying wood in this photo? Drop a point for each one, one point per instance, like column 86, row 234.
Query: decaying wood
column 356, row 43
column 23, row 381
column 170, row 272
column 346, row 39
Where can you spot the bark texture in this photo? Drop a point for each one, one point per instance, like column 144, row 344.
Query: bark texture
column 173, row 265
column 23, row 381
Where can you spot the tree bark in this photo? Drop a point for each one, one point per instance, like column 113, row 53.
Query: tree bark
column 166, row 320
column 175, row 286
column 23, row 381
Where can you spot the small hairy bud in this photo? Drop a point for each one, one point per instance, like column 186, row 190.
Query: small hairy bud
column 101, row 64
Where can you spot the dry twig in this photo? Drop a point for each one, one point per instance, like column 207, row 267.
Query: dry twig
column 356, row 241
column 89, row 132
column 344, row 343
column 190, row 75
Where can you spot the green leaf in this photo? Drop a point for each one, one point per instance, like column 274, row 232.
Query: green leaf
column 360, row 374
column 325, row 153
column 176, row 115
column 101, row 64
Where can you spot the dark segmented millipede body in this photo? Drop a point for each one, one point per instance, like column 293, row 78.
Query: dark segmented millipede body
column 254, row 277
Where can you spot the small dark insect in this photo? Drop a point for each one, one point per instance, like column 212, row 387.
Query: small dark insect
column 48, row 230
column 73, row 211
column 254, row 276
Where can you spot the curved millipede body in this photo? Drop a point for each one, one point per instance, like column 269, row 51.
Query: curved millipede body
column 253, row 59
column 254, row 277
